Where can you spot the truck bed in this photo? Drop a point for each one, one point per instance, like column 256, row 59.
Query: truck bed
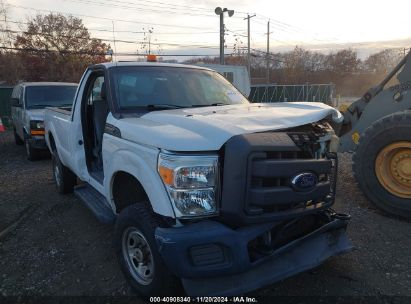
column 57, row 120
column 62, row 110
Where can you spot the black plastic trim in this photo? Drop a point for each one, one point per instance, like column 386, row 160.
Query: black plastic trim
column 112, row 130
column 249, row 157
column 284, row 195
column 285, row 168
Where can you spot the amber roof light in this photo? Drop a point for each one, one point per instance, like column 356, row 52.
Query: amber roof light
column 151, row 58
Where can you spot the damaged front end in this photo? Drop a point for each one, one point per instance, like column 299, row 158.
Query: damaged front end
column 283, row 175
column 214, row 259
column 275, row 217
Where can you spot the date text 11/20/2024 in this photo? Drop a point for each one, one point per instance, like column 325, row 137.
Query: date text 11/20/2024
column 239, row 299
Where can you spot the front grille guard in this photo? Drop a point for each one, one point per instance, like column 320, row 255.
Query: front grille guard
column 334, row 169
column 246, row 197
column 301, row 208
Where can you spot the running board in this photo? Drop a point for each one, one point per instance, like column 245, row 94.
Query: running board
column 96, row 202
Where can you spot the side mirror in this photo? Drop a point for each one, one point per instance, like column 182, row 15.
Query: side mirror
column 15, row 102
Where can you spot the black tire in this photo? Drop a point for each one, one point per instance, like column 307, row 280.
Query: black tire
column 388, row 130
column 141, row 218
column 17, row 138
column 32, row 153
column 63, row 177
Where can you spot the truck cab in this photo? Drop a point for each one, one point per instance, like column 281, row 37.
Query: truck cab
column 204, row 188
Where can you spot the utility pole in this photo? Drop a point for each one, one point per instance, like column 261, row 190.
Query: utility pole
column 222, row 29
column 114, row 42
column 248, row 46
column 219, row 11
column 268, row 53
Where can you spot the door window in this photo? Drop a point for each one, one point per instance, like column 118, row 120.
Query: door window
column 95, row 92
column 18, row 94
column 21, row 96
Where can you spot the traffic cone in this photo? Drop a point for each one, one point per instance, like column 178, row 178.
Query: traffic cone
column 2, row 128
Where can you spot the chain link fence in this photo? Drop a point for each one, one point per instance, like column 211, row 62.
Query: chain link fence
column 288, row 93
column 5, row 106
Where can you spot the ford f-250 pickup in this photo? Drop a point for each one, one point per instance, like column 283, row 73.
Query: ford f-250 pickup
column 204, row 188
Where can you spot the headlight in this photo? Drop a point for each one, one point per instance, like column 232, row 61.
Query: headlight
column 191, row 182
column 36, row 125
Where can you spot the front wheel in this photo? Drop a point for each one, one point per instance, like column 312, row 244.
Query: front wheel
column 17, row 138
column 32, row 153
column 382, row 163
column 138, row 254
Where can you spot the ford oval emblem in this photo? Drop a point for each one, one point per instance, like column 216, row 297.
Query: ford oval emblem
column 304, row 181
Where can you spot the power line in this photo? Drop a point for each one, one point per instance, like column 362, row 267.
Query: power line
column 175, row 55
column 297, row 29
column 115, row 40
column 279, row 25
column 166, row 4
column 78, row 28
column 105, row 54
column 53, row 51
column 105, row 18
column 171, row 8
column 125, row 31
column 236, row 33
column 270, row 54
column 168, row 10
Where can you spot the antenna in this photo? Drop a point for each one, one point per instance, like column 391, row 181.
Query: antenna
column 114, row 42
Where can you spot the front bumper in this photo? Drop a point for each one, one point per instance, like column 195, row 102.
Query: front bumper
column 213, row 259
column 38, row 142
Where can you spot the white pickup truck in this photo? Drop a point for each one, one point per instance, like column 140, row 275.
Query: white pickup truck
column 204, row 188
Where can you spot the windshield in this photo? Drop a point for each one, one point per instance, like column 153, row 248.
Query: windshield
column 171, row 87
column 49, row 96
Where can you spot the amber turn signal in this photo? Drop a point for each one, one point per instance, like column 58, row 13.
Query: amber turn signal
column 167, row 175
column 37, row 132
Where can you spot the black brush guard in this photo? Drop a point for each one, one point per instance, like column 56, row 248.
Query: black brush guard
column 256, row 183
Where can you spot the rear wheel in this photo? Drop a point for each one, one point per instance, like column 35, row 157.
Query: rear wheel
column 382, row 163
column 65, row 179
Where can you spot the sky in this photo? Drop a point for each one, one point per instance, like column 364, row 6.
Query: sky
column 192, row 27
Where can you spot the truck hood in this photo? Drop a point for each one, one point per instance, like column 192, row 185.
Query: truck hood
column 208, row 128
column 35, row 114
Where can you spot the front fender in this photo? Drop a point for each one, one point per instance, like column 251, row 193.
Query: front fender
column 139, row 161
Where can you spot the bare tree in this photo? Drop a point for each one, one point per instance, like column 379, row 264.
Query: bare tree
column 6, row 35
column 55, row 47
column 344, row 61
column 149, row 43
column 383, row 61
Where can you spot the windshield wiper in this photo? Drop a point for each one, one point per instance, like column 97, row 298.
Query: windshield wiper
column 41, row 105
column 163, row 106
column 217, row 104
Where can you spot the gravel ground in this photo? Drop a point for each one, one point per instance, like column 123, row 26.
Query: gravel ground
column 58, row 248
